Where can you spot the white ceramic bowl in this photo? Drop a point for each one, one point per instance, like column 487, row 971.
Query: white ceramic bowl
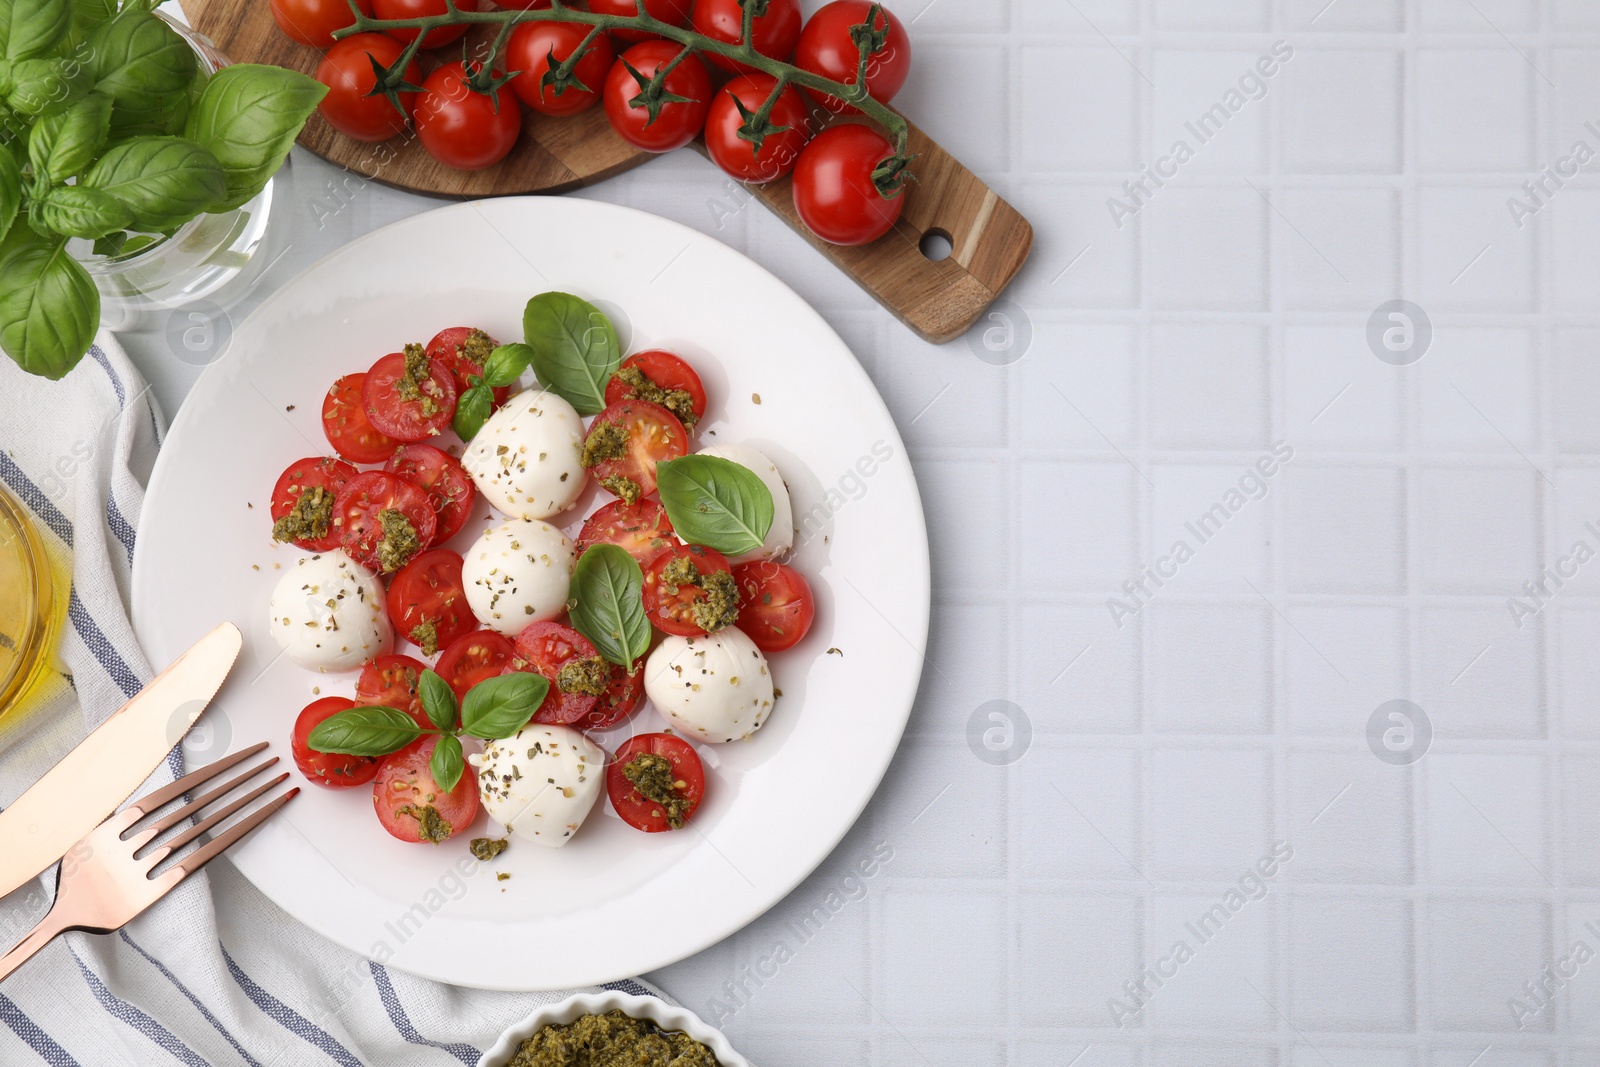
column 655, row 1010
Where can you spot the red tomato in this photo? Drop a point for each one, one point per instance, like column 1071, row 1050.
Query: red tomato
column 779, row 151
column 317, row 472
column 405, row 789
column 326, row 768
column 428, row 590
column 675, row 12
column 430, row 384
column 413, row 9
column 463, row 349
column 641, row 529
column 359, row 514
column 391, row 682
column 523, row 5
column 666, row 371
column 689, row 782
column 463, row 128
column 442, row 477
column 538, row 48
column 623, row 697
column 826, row 48
column 313, row 22
column 671, row 607
column 773, row 34
column 347, row 71
column 470, row 659
column 654, row 435
column 346, row 426
column 677, row 123
column 544, row 648
column 775, row 604
column 833, row 187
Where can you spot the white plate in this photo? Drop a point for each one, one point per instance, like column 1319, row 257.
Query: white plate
column 613, row 903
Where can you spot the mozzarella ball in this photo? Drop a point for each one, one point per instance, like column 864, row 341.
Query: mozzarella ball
column 525, row 459
column 715, row 688
column 328, row 613
column 780, row 539
column 541, row 783
column 516, row 573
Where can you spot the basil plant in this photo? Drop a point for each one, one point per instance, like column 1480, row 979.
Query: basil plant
column 111, row 132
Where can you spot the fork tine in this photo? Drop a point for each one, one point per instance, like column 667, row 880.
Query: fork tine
column 168, row 793
column 217, row 845
column 211, row 797
column 177, row 841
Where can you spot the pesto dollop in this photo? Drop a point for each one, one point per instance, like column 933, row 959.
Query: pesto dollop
column 589, row 675
column 624, row 489
column 430, row 824
column 425, row 635
column 410, row 384
column 399, row 541
column 653, row 778
column 718, row 607
column 642, row 387
column 309, row 519
column 475, row 348
column 606, row 440
column 611, row 1040
column 487, row 848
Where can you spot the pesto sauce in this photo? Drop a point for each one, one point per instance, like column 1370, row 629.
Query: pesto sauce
column 624, row 489
column 653, row 778
column 309, row 519
column 642, row 387
column 475, row 348
column 611, row 1040
column 430, row 824
column 425, row 635
column 719, row 608
column 399, row 541
column 410, row 384
column 487, row 848
column 589, row 675
column 606, row 440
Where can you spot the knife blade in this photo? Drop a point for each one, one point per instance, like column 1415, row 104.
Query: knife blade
column 77, row 794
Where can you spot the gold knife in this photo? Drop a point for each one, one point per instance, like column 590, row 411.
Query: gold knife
column 77, row 794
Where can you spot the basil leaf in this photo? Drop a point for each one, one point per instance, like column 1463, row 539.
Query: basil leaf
column 49, row 309
column 496, row 708
column 575, row 349
column 447, row 764
column 45, row 86
column 77, row 211
column 715, row 502
column 473, row 410
column 438, row 700
column 86, row 15
column 62, row 146
column 506, row 364
column 365, row 731
column 10, row 192
column 608, row 607
column 137, row 59
column 248, row 116
column 31, row 28
column 165, row 180
column 163, row 118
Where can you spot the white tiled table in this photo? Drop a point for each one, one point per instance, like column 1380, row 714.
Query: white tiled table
column 1161, row 760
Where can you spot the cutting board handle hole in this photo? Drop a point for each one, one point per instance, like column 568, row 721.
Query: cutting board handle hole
column 937, row 245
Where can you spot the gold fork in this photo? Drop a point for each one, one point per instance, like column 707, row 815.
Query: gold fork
column 104, row 883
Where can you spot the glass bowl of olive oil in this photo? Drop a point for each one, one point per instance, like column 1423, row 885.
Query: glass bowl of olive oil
column 26, row 603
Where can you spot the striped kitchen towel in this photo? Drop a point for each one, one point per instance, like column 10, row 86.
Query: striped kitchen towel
column 215, row 974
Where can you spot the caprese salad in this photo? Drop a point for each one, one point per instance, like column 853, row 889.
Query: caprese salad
column 490, row 662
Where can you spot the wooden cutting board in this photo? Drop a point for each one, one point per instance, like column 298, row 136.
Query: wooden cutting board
column 989, row 240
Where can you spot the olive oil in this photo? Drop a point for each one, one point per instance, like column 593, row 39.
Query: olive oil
column 27, row 609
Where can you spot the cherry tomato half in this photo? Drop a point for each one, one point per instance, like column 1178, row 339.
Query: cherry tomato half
column 391, row 682
column 671, row 605
column 463, row 128
column 547, row 647
column 675, row 12
column 833, row 187
column 427, row 602
column 345, row 423
column 404, row 791
column 624, row 695
column 323, row 476
column 660, row 369
column 677, row 123
column 412, row 9
column 327, row 768
column 442, row 477
column 688, row 785
column 538, row 48
column 471, row 659
column 408, row 396
column 359, row 513
column 779, row 151
column 313, row 22
column 640, row 529
column 644, row 435
column 774, row 34
column 776, row 607
column 350, row 106
column 826, row 48
column 463, row 349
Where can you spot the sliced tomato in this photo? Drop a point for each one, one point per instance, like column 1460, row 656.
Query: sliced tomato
column 428, row 603
column 443, row 478
column 775, row 604
column 641, row 529
column 687, row 787
column 623, row 697
column 327, row 768
column 391, row 682
column 408, row 396
column 674, row 606
column 661, row 378
column 625, row 443
column 405, row 791
column 345, row 423
column 546, row 648
column 369, row 502
column 463, row 349
column 471, row 659
column 324, row 477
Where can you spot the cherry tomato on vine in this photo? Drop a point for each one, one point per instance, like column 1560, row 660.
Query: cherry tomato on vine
column 826, row 48
column 774, row 33
column 677, row 123
column 537, row 48
column 313, row 22
column 834, row 190
column 675, row 12
column 461, row 127
column 523, row 5
column 779, row 151
column 347, row 71
column 328, row 768
column 413, row 9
